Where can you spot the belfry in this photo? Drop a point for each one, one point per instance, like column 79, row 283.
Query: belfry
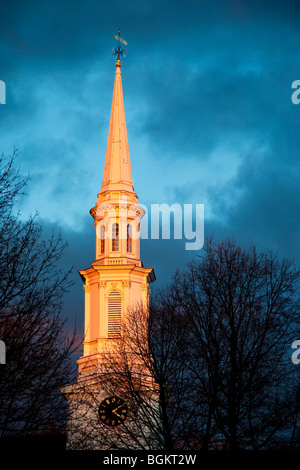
column 115, row 282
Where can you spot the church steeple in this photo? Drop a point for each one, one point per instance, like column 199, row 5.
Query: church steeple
column 116, row 212
column 117, row 168
column 115, row 282
column 117, row 268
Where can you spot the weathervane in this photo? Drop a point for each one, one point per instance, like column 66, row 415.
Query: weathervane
column 118, row 50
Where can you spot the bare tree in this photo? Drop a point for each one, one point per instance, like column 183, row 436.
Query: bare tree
column 124, row 370
column 32, row 284
column 153, row 364
column 207, row 365
column 145, row 368
column 242, row 308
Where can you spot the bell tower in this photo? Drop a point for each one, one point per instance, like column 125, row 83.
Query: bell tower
column 117, row 279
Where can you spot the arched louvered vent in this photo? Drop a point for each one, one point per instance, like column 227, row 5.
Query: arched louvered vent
column 114, row 314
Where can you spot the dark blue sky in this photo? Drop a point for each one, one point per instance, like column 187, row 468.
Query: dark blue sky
column 210, row 120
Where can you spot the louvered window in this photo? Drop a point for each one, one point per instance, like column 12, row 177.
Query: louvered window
column 114, row 314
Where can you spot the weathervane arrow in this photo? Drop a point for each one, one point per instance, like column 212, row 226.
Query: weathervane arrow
column 118, row 50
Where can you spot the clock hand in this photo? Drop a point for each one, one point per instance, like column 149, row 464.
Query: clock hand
column 114, row 411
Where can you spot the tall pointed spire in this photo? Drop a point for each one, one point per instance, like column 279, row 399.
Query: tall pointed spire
column 114, row 284
column 117, row 168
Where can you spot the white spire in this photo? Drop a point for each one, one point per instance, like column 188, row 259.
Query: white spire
column 117, row 167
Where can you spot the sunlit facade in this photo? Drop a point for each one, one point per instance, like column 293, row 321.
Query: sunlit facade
column 116, row 280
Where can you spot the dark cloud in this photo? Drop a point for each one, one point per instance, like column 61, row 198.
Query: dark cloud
column 275, row 225
column 207, row 89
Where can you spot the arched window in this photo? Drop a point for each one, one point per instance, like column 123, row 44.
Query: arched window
column 102, row 237
column 114, row 315
column 115, row 237
column 129, row 238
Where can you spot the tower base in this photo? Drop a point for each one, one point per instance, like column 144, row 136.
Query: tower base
column 86, row 428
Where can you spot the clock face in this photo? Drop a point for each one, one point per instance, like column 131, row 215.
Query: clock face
column 113, row 411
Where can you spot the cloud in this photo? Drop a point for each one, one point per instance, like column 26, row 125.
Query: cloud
column 207, row 90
